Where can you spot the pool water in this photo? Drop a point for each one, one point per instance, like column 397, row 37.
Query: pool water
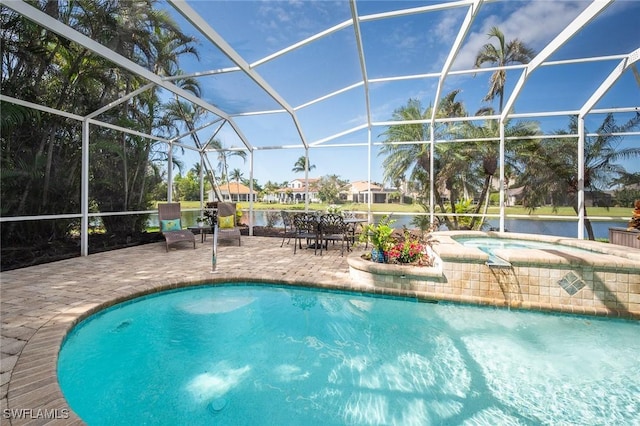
column 488, row 245
column 259, row 354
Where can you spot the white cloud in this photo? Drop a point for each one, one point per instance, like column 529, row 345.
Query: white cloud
column 535, row 24
column 286, row 23
column 447, row 27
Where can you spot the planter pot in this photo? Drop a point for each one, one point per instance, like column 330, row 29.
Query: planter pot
column 622, row 237
column 200, row 224
column 377, row 256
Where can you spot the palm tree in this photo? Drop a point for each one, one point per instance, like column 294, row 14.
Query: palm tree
column 236, row 175
column 513, row 52
column 300, row 163
column 487, row 153
column 196, row 169
column 223, row 157
column 188, row 114
column 414, row 159
column 551, row 167
column 45, row 68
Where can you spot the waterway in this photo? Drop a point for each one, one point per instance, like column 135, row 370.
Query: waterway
column 560, row 228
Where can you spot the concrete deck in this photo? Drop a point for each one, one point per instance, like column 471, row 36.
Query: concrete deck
column 40, row 304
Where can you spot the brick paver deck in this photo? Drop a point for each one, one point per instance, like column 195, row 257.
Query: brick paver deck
column 40, row 304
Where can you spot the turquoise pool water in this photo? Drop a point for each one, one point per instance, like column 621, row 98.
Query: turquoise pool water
column 270, row 355
column 489, row 244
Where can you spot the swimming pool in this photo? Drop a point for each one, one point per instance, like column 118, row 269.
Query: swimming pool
column 259, row 354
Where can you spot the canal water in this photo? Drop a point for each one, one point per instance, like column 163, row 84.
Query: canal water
column 560, row 228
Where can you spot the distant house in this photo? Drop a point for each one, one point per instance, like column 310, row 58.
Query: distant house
column 296, row 191
column 513, row 196
column 358, row 192
column 598, row 199
column 234, row 192
column 591, row 198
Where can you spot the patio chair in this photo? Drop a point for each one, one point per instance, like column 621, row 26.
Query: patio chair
column 289, row 229
column 227, row 223
column 333, row 228
column 306, row 228
column 171, row 227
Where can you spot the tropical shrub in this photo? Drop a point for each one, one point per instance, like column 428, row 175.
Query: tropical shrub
column 410, row 250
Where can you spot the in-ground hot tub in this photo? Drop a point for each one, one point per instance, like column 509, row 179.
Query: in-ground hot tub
column 531, row 272
column 571, row 275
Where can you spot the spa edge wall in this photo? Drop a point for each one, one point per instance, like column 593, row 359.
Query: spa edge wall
column 604, row 282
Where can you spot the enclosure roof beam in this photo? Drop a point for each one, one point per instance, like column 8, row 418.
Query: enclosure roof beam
column 77, row 117
column 337, row 135
column 201, row 25
column 190, row 132
column 302, row 43
column 462, row 34
column 125, row 98
column 624, row 65
column 42, row 108
column 201, row 74
column 126, row 130
column 569, row 31
column 363, row 66
column 69, row 33
column 416, row 10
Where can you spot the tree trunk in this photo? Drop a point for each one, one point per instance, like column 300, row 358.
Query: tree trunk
column 587, row 223
column 447, row 221
column 485, row 189
column 453, row 195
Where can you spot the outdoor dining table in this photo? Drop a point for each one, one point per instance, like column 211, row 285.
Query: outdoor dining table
column 202, row 231
column 309, row 225
column 352, row 223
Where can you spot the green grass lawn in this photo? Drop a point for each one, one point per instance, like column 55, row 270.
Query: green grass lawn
column 618, row 212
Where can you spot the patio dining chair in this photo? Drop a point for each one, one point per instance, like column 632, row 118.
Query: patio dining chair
column 289, row 229
column 307, row 229
column 171, row 226
column 352, row 222
column 333, row 228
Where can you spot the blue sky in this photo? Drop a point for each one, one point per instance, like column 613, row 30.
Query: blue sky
column 398, row 46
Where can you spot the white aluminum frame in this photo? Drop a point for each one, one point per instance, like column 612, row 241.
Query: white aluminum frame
column 249, row 69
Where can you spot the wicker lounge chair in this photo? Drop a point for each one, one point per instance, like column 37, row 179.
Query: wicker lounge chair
column 227, row 227
column 171, row 227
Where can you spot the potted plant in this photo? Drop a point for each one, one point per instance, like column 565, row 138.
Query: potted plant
column 411, row 250
column 380, row 236
column 200, row 220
